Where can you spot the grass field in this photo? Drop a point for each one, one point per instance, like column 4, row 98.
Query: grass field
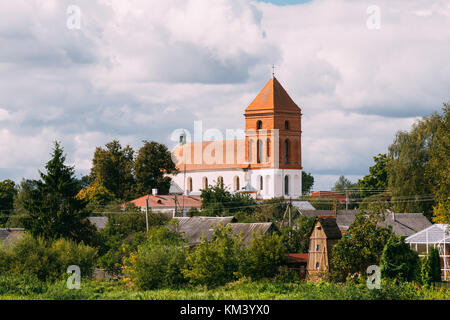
column 239, row 290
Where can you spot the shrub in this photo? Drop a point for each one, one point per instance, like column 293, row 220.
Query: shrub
column 214, row 263
column 46, row 260
column 430, row 270
column 263, row 257
column 398, row 261
column 21, row 284
column 158, row 262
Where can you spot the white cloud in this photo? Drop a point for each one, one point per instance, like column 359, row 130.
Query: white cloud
column 139, row 69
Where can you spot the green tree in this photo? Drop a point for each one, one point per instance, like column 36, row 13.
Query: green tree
column 376, row 181
column 216, row 262
column 152, row 164
column 296, row 239
column 8, row 191
column 361, row 246
column 112, row 168
column 52, row 208
column 409, row 157
column 307, row 182
column 438, row 170
column 263, row 257
column 431, row 267
column 219, row 201
column 398, row 261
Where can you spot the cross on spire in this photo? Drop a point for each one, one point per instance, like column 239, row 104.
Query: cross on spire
column 273, row 70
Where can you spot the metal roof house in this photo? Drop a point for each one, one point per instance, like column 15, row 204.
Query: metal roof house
column 7, row 235
column 193, row 228
column 403, row 224
column 438, row 236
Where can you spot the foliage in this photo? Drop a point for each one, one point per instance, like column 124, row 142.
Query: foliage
column 307, row 182
column 431, row 267
column 112, row 168
column 398, row 261
column 361, row 246
column 45, row 259
column 271, row 210
column 158, row 262
column 52, row 209
column 376, row 181
column 24, row 191
column 409, row 158
column 123, row 233
column 296, row 239
column 152, row 164
column 262, row 258
column 8, row 191
column 219, row 201
column 214, row 263
column 95, row 195
column 441, row 212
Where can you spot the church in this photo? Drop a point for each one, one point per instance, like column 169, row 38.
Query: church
column 266, row 163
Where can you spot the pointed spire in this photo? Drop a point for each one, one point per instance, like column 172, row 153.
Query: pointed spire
column 273, row 97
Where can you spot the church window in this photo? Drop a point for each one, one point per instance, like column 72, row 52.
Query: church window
column 259, row 125
column 189, row 184
column 260, row 151
column 286, row 185
column 205, row 182
column 261, row 185
column 236, row 183
column 268, row 148
column 286, row 151
column 286, row 125
column 220, row 181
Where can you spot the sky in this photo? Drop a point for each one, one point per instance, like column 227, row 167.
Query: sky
column 138, row 70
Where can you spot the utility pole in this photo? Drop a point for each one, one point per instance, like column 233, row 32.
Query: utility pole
column 290, row 217
column 346, row 199
column 146, row 213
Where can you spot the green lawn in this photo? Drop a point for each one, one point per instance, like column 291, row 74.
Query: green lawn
column 240, row 290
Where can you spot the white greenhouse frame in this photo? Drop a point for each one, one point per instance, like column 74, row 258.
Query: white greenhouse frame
column 438, row 236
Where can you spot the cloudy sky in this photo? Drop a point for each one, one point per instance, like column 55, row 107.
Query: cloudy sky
column 140, row 69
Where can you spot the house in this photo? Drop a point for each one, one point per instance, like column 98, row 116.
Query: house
column 7, row 235
column 437, row 236
column 403, row 224
column 266, row 156
column 171, row 204
column 324, row 236
column 194, row 228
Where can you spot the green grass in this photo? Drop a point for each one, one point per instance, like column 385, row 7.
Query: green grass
column 239, row 290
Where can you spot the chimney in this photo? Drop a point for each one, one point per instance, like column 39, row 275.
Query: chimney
column 154, row 192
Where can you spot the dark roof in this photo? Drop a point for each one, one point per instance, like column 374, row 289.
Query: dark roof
column 403, row 224
column 9, row 234
column 248, row 229
column 330, row 227
column 98, row 222
column 192, row 228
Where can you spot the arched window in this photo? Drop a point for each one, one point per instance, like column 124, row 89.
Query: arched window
column 260, row 151
column 286, row 125
column 286, row 185
column 250, row 146
column 236, row 183
column 286, row 151
column 220, row 181
column 268, row 148
column 205, row 182
column 261, row 184
column 259, row 125
column 189, row 184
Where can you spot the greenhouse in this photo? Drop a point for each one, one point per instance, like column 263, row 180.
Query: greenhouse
column 438, row 236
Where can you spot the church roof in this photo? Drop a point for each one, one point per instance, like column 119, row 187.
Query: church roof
column 273, row 97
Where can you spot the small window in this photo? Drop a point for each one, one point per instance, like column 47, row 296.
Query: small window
column 318, row 248
column 286, row 125
column 259, row 125
column 220, row 181
column 189, row 184
column 261, row 185
column 205, row 182
column 317, row 266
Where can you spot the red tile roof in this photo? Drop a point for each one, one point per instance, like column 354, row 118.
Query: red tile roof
column 297, row 258
column 161, row 201
column 328, row 194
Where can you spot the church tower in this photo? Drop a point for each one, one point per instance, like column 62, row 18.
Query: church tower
column 273, row 139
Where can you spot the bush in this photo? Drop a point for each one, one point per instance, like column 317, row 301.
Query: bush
column 24, row 285
column 430, row 270
column 214, row 263
column 158, row 262
column 398, row 261
column 262, row 258
column 46, row 260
